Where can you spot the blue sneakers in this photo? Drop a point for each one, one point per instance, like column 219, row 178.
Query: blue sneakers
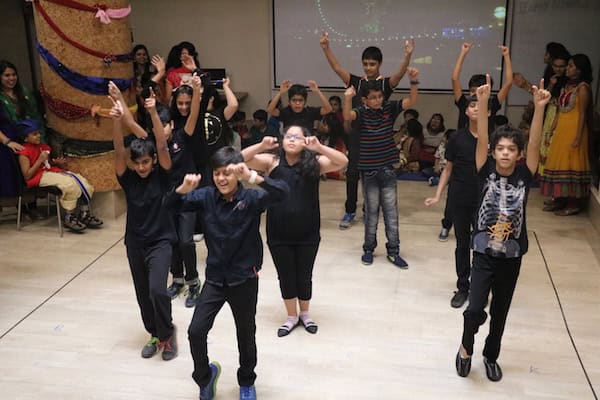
column 208, row 392
column 347, row 221
column 247, row 393
column 367, row 258
column 397, row 261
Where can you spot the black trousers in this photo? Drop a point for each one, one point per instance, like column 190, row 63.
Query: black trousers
column 462, row 210
column 294, row 266
column 242, row 300
column 500, row 276
column 184, row 251
column 150, row 271
column 352, row 175
column 447, row 220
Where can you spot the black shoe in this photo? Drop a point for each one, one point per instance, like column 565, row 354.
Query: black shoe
column 151, row 348
column 459, row 299
column 73, row 223
column 175, row 289
column 90, row 220
column 193, row 295
column 463, row 365
column 169, row 346
column 443, row 236
column 492, row 370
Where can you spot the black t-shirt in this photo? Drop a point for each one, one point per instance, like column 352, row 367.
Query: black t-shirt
column 297, row 220
column 305, row 118
column 182, row 158
column 501, row 229
column 147, row 220
column 460, row 150
column 216, row 130
column 463, row 102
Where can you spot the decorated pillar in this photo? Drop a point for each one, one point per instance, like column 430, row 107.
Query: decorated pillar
column 82, row 46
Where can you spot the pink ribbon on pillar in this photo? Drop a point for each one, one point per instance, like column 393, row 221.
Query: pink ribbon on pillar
column 105, row 14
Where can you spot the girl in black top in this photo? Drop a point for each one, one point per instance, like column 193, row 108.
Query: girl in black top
column 293, row 226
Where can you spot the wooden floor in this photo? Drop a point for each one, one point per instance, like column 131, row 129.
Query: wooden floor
column 70, row 326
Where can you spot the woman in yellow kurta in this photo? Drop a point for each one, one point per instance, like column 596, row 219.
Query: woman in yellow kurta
column 567, row 173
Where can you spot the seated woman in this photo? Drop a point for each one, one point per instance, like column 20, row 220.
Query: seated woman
column 432, row 136
column 40, row 170
column 410, row 147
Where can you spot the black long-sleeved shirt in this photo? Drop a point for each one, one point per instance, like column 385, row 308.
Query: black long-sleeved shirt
column 231, row 228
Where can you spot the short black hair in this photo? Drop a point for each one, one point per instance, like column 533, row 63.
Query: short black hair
column 370, row 86
column 509, row 132
column 297, row 89
column 260, row 115
column 238, row 116
column 479, row 80
column 142, row 147
column 335, row 98
column 372, row 53
column 411, row 111
column 414, row 129
column 225, row 156
column 500, row 120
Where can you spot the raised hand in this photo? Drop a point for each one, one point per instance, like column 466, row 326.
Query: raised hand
column 466, row 47
column 483, row 91
column 240, row 170
column 190, row 182
column 285, row 86
column 504, row 50
column 269, row 143
column 114, row 92
column 409, row 46
column 197, row 84
column 188, row 62
column 116, row 112
column 350, row 92
column 150, row 102
column 312, row 85
column 226, row 82
column 324, row 41
column 541, row 97
column 312, row 143
column 413, row 73
column 159, row 63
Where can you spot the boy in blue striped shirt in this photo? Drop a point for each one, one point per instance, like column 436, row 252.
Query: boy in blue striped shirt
column 378, row 153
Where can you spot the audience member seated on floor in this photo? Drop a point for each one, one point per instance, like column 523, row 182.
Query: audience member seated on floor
column 432, row 137
column 433, row 173
column 410, row 146
column 40, row 170
column 401, row 133
column 260, row 128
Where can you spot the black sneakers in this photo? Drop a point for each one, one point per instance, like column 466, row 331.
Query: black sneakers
column 151, row 347
column 492, row 370
column 193, row 295
column 169, row 346
column 175, row 289
column 463, row 365
column 459, row 299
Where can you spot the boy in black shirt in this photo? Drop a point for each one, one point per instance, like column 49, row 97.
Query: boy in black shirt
column 500, row 236
column 231, row 219
column 461, row 177
column 462, row 101
column 149, row 231
column 297, row 112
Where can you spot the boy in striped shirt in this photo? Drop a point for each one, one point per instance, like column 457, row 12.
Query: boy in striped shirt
column 378, row 154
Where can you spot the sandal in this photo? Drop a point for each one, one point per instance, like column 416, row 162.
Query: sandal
column 287, row 327
column 565, row 212
column 309, row 325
